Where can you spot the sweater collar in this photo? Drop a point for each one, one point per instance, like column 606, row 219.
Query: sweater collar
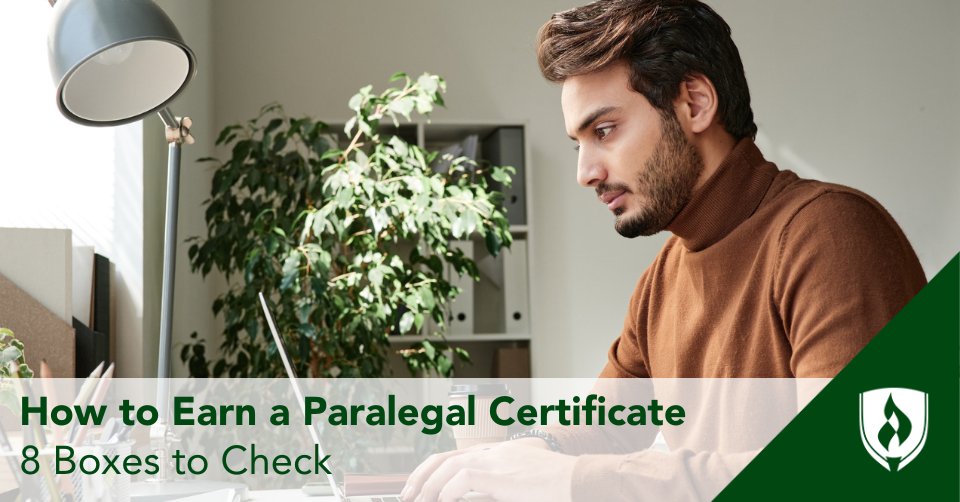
column 727, row 199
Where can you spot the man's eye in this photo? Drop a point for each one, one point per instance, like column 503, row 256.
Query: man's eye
column 604, row 131
column 576, row 147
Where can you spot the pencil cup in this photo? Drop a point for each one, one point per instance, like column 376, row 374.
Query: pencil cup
column 99, row 487
column 95, row 487
column 484, row 429
column 116, row 487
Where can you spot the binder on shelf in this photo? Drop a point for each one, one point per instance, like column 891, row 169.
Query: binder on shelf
column 92, row 348
column 460, row 320
column 515, row 298
column 101, row 295
column 466, row 148
column 504, row 147
column 83, row 283
column 488, row 313
column 92, row 336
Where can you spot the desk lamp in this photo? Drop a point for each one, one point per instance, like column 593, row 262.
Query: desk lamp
column 116, row 62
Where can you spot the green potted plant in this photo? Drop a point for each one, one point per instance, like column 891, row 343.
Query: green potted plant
column 12, row 365
column 347, row 242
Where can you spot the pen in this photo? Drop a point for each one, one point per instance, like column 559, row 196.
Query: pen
column 122, row 434
column 40, row 439
column 27, row 390
column 109, row 429
column 84, row 393
column 46, row 380
column 98, row 396
column 77, row 433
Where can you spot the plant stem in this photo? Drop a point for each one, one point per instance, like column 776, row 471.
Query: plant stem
column 341, row 276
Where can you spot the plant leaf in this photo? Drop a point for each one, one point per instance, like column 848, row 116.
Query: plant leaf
column 429, row 350
column 406, row 321
column 457, row 229
column 444, row 365
column 376, row 276
column 492, row 240
column 9, row 354
column 354, row 103
column 428, row 83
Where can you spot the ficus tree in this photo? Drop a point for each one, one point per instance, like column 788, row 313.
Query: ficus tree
column 348, row 243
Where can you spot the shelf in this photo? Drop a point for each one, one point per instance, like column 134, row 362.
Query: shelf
column 492, row 337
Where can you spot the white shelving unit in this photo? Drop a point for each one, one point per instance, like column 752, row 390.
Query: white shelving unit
column 473, row 337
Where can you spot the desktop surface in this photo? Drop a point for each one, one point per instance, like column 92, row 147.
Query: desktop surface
column 296, row 494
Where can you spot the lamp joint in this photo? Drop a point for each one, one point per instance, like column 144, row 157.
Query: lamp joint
column 181, row 133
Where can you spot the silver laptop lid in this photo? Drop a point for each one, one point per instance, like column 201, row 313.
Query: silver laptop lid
column 298, row 392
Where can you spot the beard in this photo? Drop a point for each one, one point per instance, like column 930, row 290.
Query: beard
column 666, row 182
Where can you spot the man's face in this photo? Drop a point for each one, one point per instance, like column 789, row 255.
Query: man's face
column 638, row 160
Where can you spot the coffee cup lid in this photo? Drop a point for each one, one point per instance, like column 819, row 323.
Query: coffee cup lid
column 482, row 389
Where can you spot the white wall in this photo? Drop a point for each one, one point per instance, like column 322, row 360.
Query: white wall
column 863, row 94
column 859, row 92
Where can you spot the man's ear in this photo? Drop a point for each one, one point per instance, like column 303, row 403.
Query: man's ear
column 697, row 103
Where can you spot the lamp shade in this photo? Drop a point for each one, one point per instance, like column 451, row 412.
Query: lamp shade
column 115, row 61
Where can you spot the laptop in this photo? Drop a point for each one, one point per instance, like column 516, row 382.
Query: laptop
column 314, row 431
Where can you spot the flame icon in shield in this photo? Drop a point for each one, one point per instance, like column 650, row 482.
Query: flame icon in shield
column 893, row 425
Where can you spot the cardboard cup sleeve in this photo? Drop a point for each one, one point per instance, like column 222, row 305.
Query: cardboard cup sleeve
column 484, row 429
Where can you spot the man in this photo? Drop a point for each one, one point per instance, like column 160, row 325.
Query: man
column 766, row 275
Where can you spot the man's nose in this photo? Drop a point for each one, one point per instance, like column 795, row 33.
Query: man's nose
column 590, row 171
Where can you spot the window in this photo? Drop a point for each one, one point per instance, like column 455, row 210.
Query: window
column 58, row 174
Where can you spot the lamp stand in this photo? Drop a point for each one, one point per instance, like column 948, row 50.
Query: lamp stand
column 164, row 487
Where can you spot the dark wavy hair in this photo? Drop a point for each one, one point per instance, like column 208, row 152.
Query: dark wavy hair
column 665, row 42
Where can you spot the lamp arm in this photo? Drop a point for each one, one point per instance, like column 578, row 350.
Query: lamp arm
column 177, row 133
column 161, row 434
column 169, row 120
column 169, row 258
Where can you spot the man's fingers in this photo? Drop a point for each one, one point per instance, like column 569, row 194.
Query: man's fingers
column 449, row 469
column 466, row 480
column 430, row 488
column 423, row 472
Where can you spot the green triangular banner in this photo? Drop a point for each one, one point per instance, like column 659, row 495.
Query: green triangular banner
column 821, row 455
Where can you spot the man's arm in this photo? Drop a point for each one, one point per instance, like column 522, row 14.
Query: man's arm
column 845, row 270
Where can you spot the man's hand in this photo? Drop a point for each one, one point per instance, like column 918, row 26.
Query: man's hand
column 523, row 471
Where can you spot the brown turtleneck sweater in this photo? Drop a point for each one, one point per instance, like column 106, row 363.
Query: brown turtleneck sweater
column 766, row 276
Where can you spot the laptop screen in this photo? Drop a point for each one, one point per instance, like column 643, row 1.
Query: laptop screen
column 297, row 390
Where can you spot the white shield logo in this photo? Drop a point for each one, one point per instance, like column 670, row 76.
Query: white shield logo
column 893, row 425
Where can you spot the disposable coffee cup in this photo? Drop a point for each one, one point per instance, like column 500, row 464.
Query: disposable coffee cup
column 484, row 430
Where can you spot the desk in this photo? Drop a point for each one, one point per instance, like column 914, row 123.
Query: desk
column 284, row 495
column 295, row 495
